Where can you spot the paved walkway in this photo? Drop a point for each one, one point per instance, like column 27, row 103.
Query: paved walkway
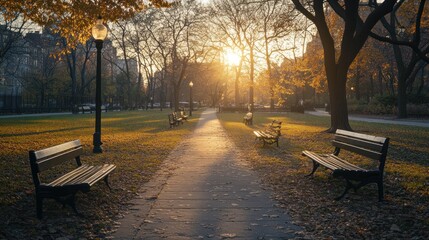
column 205, row 191
column 406, row 122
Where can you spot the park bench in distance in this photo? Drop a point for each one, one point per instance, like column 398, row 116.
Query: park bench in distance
column 171, row 120
column 365, row 145
column 65, row 187
column 183, row 115
column 177, row 118
column 270, row 134
column 248, row 118
column 84, row 109
column 174, row 120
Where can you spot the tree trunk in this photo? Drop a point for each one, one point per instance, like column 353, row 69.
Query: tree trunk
column 402, row 98
column 357, row 84
column 338, row 99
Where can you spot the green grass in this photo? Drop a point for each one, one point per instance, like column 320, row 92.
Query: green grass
column 136, row 141
column 310, row 199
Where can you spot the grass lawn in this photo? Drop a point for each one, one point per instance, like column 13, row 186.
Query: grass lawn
column 404, row 214
column 136, row 141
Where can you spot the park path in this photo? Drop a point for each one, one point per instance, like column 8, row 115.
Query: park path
column 405, row 121
column 205, row 190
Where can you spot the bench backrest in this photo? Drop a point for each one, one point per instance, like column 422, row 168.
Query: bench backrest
column 171, row 118
column 47, row 158
column 369, row 146
column 275, row 126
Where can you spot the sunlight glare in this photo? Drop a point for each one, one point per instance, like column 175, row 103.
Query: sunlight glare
column 232, row 58
column 204, row 1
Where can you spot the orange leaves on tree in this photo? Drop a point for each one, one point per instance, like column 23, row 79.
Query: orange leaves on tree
column 73, row 19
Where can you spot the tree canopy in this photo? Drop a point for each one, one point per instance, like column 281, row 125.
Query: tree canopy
column 74, row 19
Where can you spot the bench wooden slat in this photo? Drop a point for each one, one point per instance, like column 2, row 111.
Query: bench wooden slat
column 362, row 151
column 270, row 134
column 47, row 152
column 85, row 174
column 374, row 146
column 262, row 134
column 371, row 138
column 329, row 162
column 58, row 159
column 66, row 178
column 101, row 173
column 346, row 164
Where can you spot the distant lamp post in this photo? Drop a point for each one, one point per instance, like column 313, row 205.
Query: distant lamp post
column 191, row 103
column 99, row 32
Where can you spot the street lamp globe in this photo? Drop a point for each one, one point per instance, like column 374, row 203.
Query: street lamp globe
column 191, row 102
column 99, row 31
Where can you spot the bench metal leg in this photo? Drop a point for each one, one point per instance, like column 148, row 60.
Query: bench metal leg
column 106, row 180
column 315, row 166
column 348, row 186
column 71, row 201
column 256, row 139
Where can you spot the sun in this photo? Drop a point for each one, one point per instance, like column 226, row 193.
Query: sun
column 232, row 58
column 205, row 1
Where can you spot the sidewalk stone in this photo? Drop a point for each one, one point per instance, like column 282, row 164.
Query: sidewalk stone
column 205, row 191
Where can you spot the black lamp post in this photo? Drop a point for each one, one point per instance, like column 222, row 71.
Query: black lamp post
column 99, row 32
column 191, row 103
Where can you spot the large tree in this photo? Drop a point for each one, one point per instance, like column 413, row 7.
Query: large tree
column 275, row 25
column 407, row 25
column 339, row 56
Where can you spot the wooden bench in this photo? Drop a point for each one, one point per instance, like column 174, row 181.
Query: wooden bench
column 65, row 187
column 183, row 115
column 177, row 118
column 174, row 120
column 171, row 120
column 356, row 177
column 270, row 134
column 248, row 118
column 84, row 109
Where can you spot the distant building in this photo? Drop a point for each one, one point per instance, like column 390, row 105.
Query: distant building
column 11, row 46
column 32, row 57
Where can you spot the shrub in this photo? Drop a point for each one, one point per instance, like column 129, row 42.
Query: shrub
column 418, row 110
column 297, row 109
column 386, row 100
column 418, row 99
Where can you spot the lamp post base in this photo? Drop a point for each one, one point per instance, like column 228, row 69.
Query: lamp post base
column 97, row 143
